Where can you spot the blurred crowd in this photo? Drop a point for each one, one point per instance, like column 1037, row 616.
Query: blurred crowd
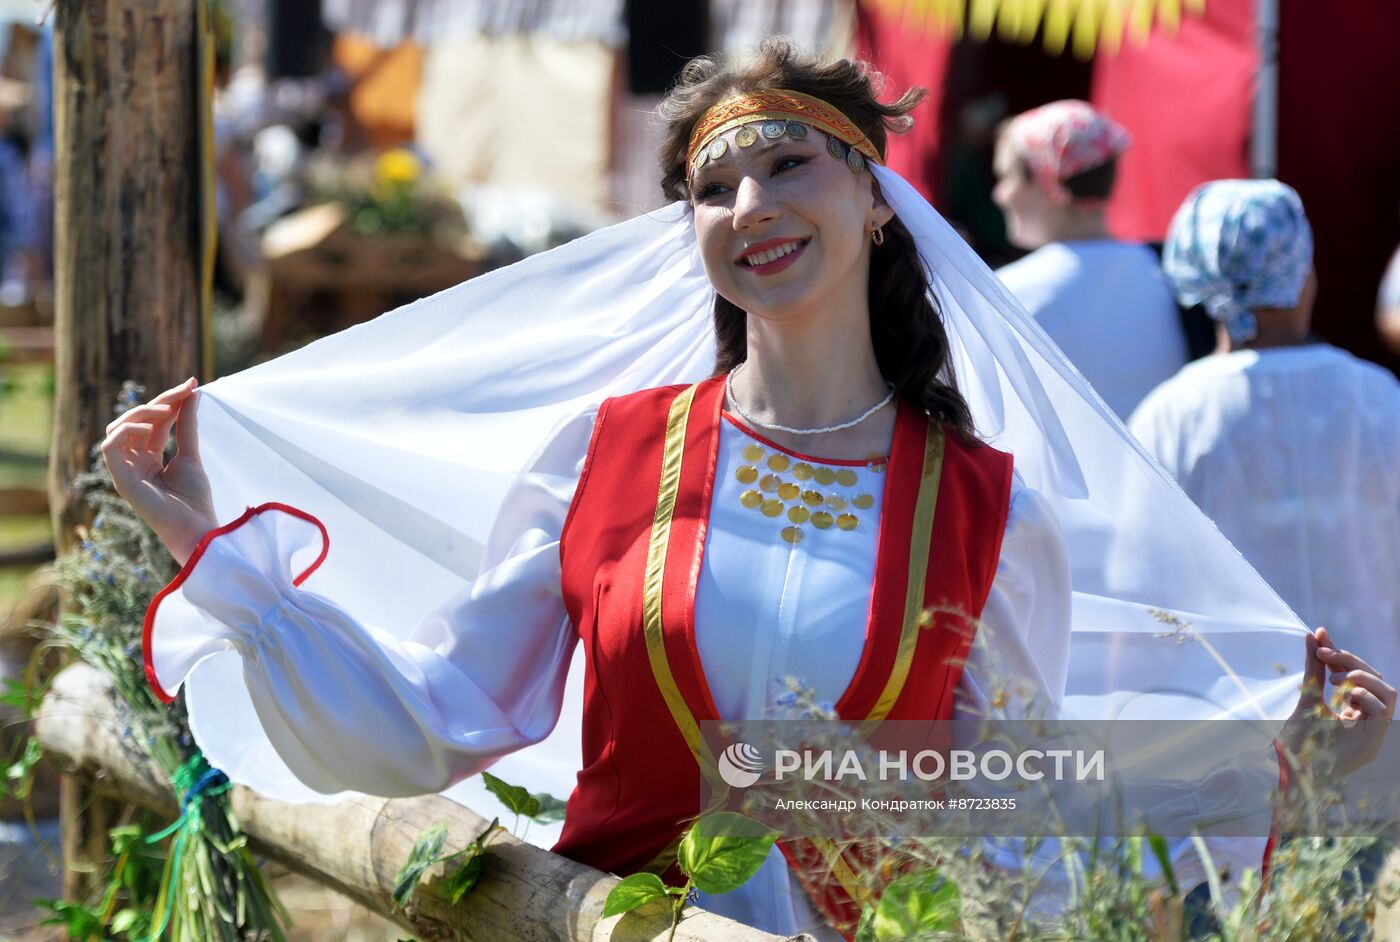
column 1290, row 444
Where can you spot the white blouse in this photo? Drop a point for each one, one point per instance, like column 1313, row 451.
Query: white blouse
column 347, row 706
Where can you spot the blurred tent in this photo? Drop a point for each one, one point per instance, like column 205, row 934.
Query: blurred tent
column 559, row 94
column 1199, row 86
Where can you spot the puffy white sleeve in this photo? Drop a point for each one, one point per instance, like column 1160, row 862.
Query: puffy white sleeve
column 1019, row 663
column 346, row 705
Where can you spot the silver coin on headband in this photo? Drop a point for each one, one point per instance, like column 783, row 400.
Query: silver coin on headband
column 717, row 148
column 835, row 148
column 796, row 130
column 855, row 160
column 773, row 130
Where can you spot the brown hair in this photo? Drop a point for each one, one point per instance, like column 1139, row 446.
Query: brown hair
column 911, row 345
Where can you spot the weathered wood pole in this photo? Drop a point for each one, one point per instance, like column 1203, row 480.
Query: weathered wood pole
column 129, row 246
column 130, row 250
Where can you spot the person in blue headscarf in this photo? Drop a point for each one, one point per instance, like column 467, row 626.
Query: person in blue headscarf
column 1289, row 444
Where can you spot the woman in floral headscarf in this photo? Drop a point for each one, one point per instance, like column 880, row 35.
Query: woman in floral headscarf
column 1291, row 445
column 1103, row 301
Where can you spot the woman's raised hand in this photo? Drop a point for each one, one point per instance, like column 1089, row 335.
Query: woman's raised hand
column 173, row 498
column 1364, row 705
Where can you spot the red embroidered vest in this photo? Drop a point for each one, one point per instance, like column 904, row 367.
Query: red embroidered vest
column 631, row 551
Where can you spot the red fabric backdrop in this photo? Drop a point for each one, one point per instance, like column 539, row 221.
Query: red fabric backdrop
column 1186, row 98
column 909, row 55
column 1339, row 146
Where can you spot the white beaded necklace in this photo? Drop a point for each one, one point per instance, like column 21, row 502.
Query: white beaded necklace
column 775, row 427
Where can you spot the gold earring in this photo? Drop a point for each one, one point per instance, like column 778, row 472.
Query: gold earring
column 878, row 236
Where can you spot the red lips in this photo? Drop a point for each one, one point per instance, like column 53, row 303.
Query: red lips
column 767, row 246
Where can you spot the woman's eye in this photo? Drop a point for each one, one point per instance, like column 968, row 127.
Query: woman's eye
column 709, row 191
column 787, row 163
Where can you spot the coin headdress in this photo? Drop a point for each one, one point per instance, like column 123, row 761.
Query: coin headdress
column 771, row 115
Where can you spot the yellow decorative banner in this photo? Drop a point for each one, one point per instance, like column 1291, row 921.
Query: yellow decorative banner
column 1086, row 26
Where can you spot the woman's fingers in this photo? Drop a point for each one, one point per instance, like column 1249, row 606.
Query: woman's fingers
column 152, row 412
column 130, row 436
column 1383, row 692
column 187, row 428
column 1343, row 660
column 1314, row 671
column 1365, row 703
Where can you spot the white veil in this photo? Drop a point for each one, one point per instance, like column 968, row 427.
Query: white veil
column 403, row 434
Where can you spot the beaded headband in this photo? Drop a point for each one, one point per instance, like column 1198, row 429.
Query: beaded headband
column 780, row 112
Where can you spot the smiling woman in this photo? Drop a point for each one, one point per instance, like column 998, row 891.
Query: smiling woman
column 546, row 476
column 752, row 166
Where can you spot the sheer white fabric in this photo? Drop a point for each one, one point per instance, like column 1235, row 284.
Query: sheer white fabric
column 1138, row 547
column 349, row 708
column 1105, row 304
column 1295, row 454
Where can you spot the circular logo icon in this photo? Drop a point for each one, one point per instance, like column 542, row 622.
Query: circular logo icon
column 740, row 765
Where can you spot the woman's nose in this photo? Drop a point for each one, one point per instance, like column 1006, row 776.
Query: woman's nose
column 753, row 204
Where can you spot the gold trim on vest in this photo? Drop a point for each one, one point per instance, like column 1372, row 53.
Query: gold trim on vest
column 654, row 579
column 919, row 542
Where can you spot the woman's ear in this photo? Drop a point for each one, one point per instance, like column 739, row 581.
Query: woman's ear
column 882, row 213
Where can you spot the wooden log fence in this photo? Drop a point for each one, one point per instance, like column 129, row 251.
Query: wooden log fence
column 357, row 847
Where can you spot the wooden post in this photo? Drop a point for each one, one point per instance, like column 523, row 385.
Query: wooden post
column 129, row 229
column 131, row 258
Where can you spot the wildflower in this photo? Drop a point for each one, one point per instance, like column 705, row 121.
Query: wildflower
column 397, row 167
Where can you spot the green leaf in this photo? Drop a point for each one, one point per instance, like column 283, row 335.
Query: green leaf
column 917, row 904
column 865, row 929
column 551, row 808
column 722, row 851
column 1158, row 843
column 124, row 838
column 513, row 797
column 33, row 752
column 126, row 920
column 632, row 892
column 18, row 695
column 463, row 879
column 77, row 920
column 423, row 856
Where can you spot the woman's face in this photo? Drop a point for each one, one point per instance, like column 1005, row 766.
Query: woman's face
column 1028, row 211
column 783, row 226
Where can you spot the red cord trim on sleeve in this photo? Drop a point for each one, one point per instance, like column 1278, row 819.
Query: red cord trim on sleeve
column 149, row 625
